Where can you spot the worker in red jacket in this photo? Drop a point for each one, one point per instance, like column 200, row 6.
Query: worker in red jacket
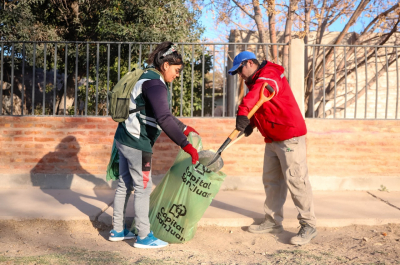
column 283, row 127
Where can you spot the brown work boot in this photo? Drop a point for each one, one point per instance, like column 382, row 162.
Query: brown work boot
column 305, row 234
column 268, row 226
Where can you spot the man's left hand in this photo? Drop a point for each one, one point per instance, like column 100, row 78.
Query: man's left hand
column 189, row 130
column 242, row 122
column 248, row 130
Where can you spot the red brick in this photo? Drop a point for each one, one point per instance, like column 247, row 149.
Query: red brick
column 43, row 168
column 52, row 160
column 23, row 125
column 5, row 125
column 9, row 132
column 12, row 146
column 44, row 139
column 33, row 132
column 76, row 120
column 5, row 138
column 29, row 119
column 70, row 167
column 23, row 166
column 44, row 125
column 98, row 133
column 112, row 126
column 55, row 133
column 23, row 139
column 86, row 126
column 99, row 119
column 77, row 133
column 32, row 160
column 16, row 160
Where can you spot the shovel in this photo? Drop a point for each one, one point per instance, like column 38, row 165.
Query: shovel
column 235, row 132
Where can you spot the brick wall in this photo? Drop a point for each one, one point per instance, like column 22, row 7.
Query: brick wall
column 338, row 151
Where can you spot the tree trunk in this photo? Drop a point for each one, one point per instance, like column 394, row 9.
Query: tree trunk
column 272, row 29
column 307, row 15
column 260, row 25
column 288, row 33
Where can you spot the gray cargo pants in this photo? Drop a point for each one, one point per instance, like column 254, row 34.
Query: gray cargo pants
column 285, row 167
column 134, row 174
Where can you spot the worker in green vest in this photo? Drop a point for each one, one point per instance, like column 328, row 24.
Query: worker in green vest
column 135, row 138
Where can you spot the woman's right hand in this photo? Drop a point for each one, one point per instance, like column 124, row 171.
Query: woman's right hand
column 192, row 152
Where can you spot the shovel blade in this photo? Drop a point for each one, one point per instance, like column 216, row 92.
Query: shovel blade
column 215, row 158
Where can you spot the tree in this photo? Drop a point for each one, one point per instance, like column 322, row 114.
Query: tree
column 90, row 20
column 377, row 22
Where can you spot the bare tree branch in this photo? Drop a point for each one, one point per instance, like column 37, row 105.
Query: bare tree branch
column 394, row 7
column 243, row 9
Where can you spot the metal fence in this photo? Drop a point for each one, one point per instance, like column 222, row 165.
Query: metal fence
column 352, row 81
column 73, row 78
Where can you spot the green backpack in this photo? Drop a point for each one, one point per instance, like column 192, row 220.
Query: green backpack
column 119, row 96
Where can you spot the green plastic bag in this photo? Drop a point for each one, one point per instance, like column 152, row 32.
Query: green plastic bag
column 180, row 200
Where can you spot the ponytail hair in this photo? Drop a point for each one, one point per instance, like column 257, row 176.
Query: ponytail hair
column 165, row 52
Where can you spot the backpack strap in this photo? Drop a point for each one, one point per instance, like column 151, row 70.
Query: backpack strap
column 137, row 109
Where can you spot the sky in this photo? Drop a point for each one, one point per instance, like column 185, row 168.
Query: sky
column 211, row 33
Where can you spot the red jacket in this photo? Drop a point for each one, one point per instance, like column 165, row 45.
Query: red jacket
column 280, row 118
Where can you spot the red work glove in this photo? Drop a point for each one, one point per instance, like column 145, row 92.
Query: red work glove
column 189, row 130
column 193, row 152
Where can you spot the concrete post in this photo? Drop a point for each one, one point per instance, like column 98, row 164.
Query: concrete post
column 296, row 71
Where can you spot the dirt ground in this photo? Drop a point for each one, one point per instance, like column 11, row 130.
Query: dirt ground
column 84, row 242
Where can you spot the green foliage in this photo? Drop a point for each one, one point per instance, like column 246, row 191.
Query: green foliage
column 113, row 20
column 99, row 20
column 186, row 85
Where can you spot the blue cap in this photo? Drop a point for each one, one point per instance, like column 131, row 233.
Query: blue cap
column 243, row 56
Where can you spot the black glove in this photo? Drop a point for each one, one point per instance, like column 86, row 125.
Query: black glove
column 248, row 130
column 242, row 122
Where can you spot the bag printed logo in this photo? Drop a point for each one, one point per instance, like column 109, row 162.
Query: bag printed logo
column 196, row 185
column 201, row 169
column 178, row 210
column 169, row 224
column 180, row 200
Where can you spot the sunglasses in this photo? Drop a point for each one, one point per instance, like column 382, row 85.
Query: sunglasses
column 240, row 68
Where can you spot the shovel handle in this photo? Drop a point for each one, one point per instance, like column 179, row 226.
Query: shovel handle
column 262, row 99
column 237, row 139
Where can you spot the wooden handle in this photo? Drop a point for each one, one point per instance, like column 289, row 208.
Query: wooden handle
column 234, row 134
column 237, row 139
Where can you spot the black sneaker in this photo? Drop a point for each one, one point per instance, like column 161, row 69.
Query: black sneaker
column 268, row 226
column 305, row 234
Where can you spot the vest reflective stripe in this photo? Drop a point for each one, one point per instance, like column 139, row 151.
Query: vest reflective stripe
column 147, row 118
column 149, row 121
column 151, row 124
